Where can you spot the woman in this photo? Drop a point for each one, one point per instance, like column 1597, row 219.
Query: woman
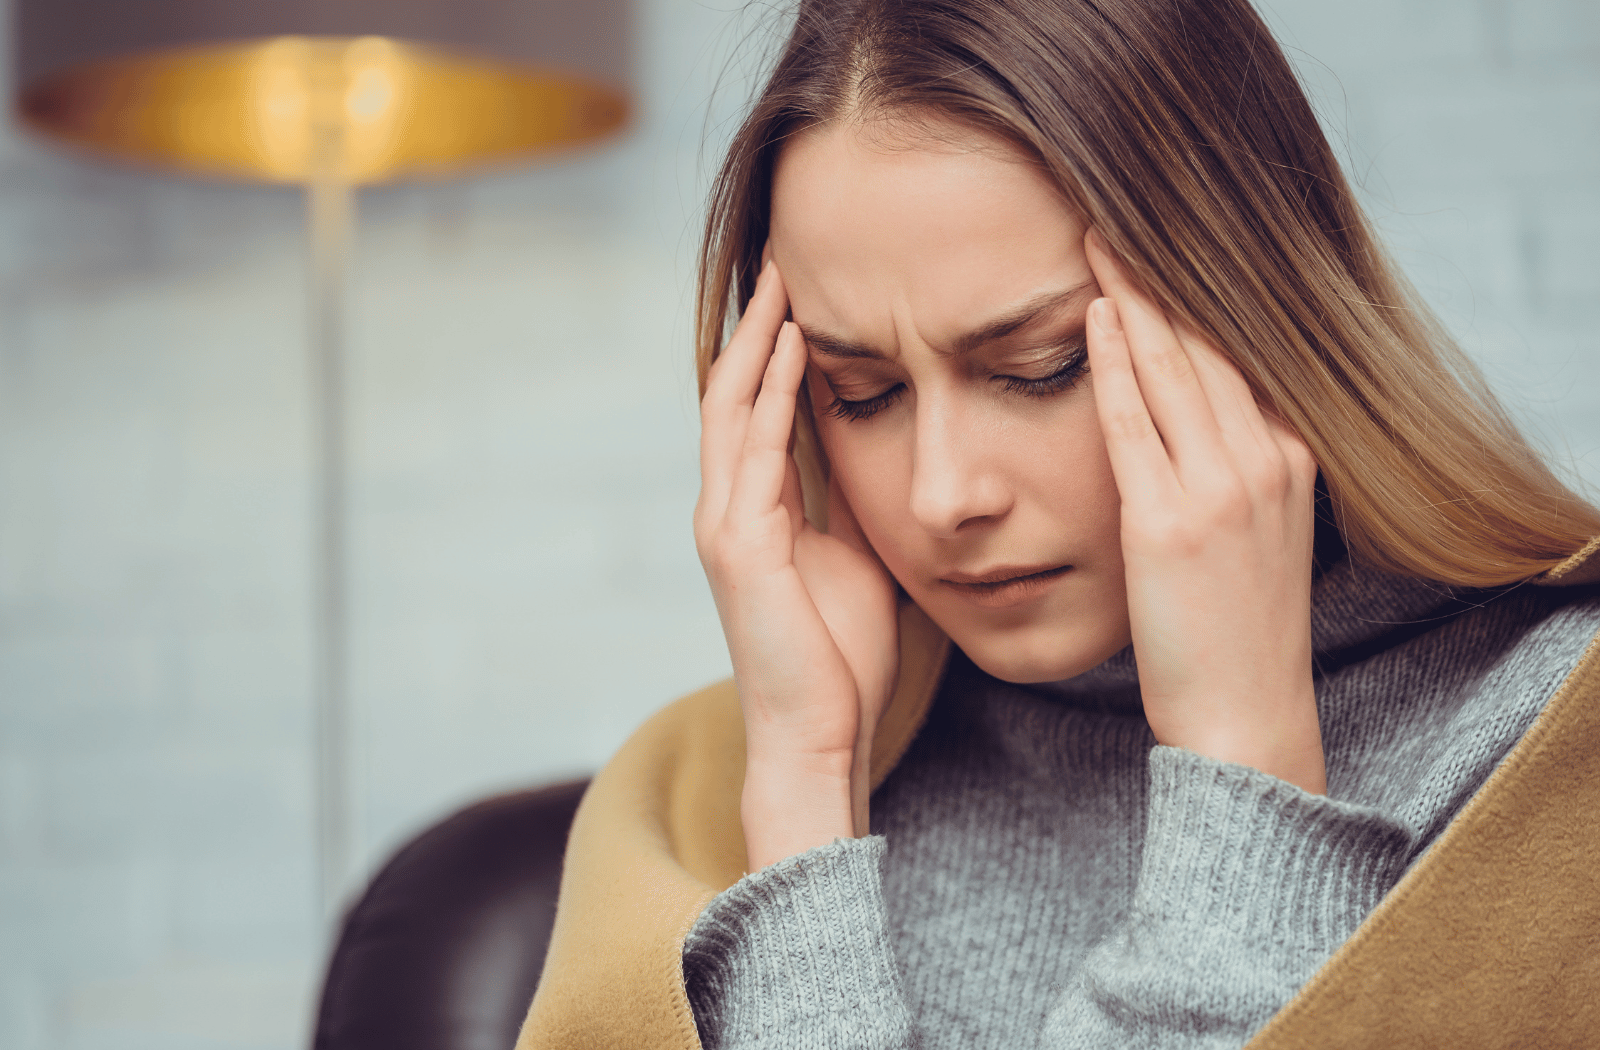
column 1094, row 369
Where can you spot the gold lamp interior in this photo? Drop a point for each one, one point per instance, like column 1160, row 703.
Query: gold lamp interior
column 305, row 109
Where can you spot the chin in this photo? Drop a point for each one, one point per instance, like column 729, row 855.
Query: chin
column 1042, row 653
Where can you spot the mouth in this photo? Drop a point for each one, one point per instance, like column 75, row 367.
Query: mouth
column 1005, row 584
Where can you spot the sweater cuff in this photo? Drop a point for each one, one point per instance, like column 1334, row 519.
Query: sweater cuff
column 1228, row 847
column 799, row 950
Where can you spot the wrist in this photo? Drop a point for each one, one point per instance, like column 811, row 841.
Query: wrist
column 1291, row 752
column 793, row 804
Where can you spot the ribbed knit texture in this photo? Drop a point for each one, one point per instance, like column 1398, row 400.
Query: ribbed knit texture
column 1043, row 875
column 823, row 979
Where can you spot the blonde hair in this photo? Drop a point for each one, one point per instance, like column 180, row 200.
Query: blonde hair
column 1178, row 130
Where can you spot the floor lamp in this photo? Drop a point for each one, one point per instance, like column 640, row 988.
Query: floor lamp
column 331, row 95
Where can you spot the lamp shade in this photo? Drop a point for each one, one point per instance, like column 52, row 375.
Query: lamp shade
column 359, row 91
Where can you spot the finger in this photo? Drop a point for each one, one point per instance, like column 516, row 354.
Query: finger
column 793, row 495
column 1231, row 399
column 764, row 461
column 740, row 363
column 1239, row 417
column 1167, row 380
column 1139, row 460
column 732, row 386
column 1266, row 453
column 1296, row 451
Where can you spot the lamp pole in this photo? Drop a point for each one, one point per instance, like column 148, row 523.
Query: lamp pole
column 328, row 225
column 326, row 94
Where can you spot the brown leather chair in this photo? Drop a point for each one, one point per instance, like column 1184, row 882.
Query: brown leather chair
column 443, row 950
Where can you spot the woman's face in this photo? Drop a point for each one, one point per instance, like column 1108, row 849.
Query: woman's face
column 941, row 284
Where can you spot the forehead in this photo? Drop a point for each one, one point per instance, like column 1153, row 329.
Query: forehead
column 876, row 227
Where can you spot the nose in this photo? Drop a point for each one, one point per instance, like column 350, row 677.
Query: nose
column 954, row 485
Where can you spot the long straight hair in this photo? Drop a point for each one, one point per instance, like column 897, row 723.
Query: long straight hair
column 1178, row 129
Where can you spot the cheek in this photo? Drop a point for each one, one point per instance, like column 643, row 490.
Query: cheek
column 871, row 469
column 873, row 478
column 1073, row 477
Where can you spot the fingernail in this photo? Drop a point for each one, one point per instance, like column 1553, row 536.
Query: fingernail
column 1105, row 315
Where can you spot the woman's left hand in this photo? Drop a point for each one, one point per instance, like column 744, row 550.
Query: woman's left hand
column 1216, row 538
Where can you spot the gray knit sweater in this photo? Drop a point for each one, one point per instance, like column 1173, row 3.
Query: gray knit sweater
column 1041, row 874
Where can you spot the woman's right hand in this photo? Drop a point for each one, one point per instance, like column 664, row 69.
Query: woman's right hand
column 810, row 617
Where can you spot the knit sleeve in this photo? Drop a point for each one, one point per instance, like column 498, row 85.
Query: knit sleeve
column 1247, row 885
column 797, row 956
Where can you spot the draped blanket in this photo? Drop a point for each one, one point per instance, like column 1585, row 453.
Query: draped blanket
column 1492, row 939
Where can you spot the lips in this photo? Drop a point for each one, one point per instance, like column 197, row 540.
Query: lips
column 1004, row 585
column 1001, row 575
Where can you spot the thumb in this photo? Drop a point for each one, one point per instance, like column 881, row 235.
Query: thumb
column 793, row 498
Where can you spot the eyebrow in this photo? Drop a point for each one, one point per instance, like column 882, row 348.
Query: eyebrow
column 1012, row 321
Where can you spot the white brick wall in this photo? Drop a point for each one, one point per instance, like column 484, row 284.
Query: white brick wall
column 524, row 584
column 1474, row 129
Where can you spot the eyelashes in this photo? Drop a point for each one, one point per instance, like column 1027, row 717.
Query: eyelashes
column 1072, row 369
column 855, row 411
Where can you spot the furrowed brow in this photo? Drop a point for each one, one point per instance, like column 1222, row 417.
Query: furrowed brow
column 1010, row 322
column 1017, row 319
column 833, row 346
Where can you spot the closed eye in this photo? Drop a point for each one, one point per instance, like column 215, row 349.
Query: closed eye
column 840, row 408
column 1071, row 370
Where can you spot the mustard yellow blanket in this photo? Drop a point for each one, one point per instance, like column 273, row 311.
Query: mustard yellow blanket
column 1491, row 940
